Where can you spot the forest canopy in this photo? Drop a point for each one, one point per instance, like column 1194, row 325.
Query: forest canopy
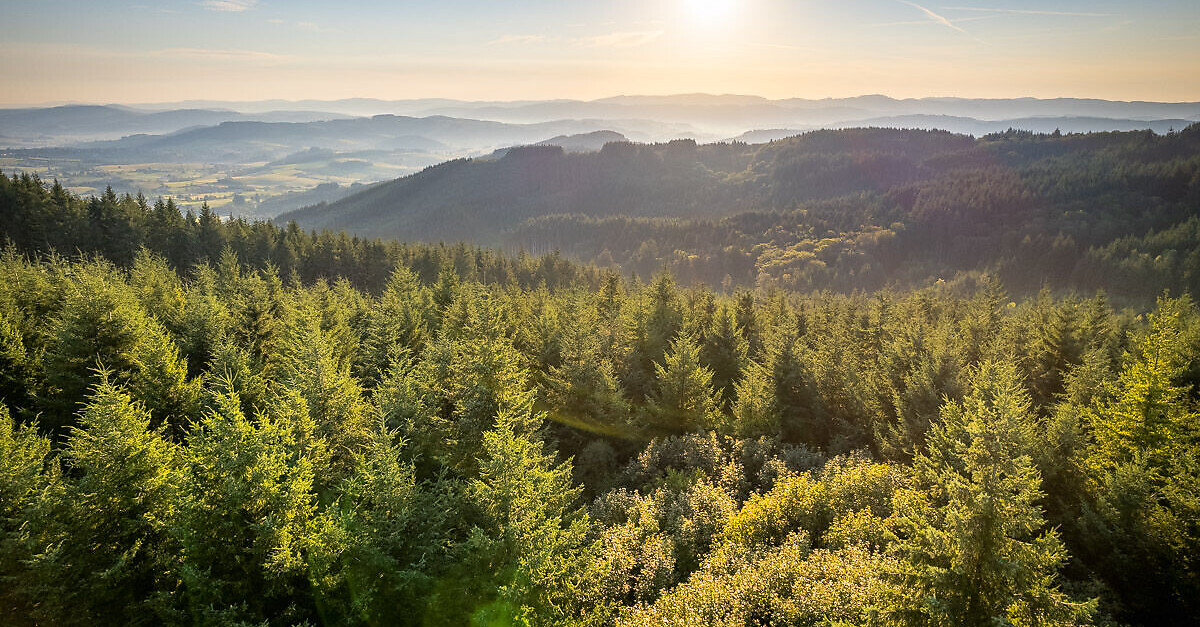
column 207, row 421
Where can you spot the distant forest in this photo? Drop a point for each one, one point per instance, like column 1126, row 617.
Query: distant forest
column 212, row 422
column 845, row 210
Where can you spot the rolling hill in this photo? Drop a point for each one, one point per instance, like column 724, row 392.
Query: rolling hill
column 855, row 208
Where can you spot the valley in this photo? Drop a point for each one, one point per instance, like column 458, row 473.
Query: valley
column 260, row 159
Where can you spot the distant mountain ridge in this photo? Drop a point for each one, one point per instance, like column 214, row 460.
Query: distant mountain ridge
column 80, row 123
column 584, row 142
column 978, row 128
column 250, row 141
column 724, row 111
column 701, row 116
column 478, row 199
column 227, row 152
column 970, row 107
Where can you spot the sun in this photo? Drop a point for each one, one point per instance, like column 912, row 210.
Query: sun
column 708, row 11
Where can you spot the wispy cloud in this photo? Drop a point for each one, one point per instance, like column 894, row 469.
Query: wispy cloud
column 231, row 55
column 627, row 39
column 1026, row 12
column 934, row 17
column 957, row 20
column 518, row 39
column 234, row 6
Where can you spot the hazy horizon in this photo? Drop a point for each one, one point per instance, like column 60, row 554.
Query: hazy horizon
column 200, row 101
column 58, row 51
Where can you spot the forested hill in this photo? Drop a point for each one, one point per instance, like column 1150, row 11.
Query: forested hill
column 847, row 210
column 479, row 199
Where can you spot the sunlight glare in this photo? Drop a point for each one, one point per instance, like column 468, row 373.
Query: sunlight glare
column 708, row 11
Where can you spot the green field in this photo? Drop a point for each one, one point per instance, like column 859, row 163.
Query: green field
column 237, row 188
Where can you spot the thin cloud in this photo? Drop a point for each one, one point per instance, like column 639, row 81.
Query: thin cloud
column 959, row 20
column 210, row 53
column 939, row 19
column 1028, row 12
column 628, row 39
column 231, row 6
column 518, row 39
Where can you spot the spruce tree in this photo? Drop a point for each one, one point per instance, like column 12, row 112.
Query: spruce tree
column 24, row 478
column 794, row 398
column 249, row 520
column 684, row 400
column 753, row 414
column 583, row 390
column 105, row 548
column 394, row 536
column 1145, row 474
column 103, row 326
column 530, row 553
column 974, row 550
column 464, row 380
column 398, row 324
column 725, row 352
column 16, row 367
column 309, row 366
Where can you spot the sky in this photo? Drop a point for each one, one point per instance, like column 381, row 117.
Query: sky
column 112, row 51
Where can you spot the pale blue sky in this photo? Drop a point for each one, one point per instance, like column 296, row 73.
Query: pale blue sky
column 123, row 51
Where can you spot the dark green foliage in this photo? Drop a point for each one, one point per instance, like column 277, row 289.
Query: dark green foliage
column 683, row 400
column 393, row 529
column 99, row 541
column 973, row 548
column 1144, row 471
column 725, row 352
column 582, row 389
column 854, row 209
column 38, row 219
column 16, row 367
column 313, row 429
column 102, row 326
column 23, row 458
column 248, row 522
column 793, row 399
column 529, row 553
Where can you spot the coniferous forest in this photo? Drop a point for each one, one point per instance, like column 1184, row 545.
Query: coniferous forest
column 218, row 422
column 855, row 209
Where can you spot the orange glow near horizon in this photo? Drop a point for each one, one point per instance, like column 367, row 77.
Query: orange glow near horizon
column 537, row 49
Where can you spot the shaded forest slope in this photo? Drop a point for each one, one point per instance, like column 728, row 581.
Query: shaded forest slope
column 846, row 210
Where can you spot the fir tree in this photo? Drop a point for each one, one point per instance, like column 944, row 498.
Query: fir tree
column 725, row 352
column 684, row 400
column 530, row 552
column 974, row 548
column 24, row 478
column 106, row 551
column 249, row 519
